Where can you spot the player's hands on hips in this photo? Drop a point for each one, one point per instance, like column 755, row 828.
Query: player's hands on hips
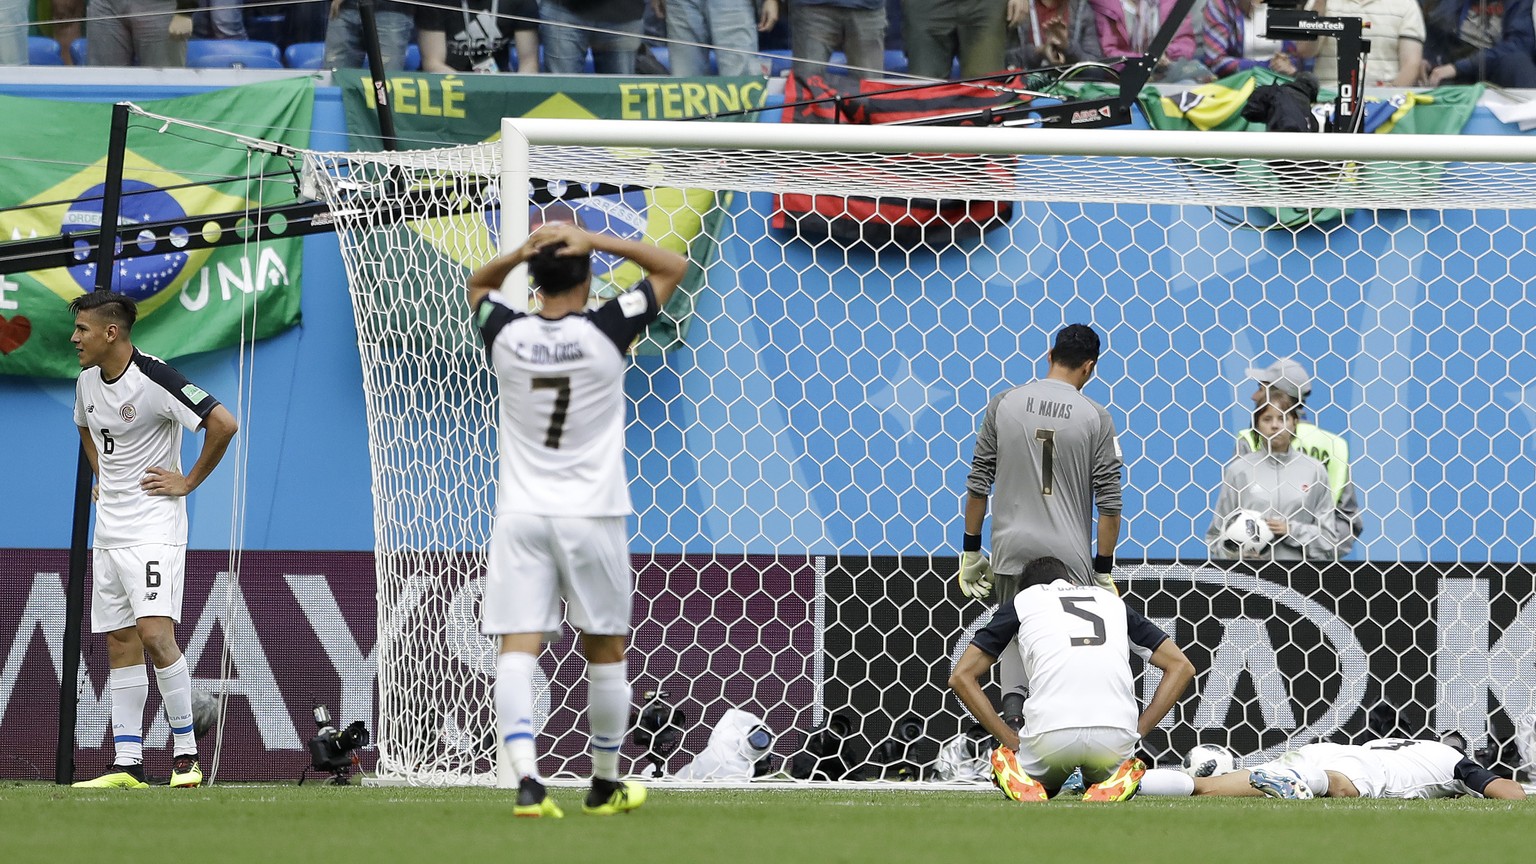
column 975, row 575
column 160, row 482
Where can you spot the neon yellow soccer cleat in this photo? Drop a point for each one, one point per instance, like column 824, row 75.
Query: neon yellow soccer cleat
column 1121, row 785
column 1009, row 777
column 608, row 797
column 533, row 802
column 186, row 773
column 117, row 777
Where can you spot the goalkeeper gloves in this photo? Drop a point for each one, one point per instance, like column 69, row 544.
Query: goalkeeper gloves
column 975, row 569
column 1104, row 572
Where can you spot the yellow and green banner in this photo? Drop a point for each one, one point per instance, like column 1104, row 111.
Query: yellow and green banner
column 189, row 301
column 444, row 110
column 1219, row 105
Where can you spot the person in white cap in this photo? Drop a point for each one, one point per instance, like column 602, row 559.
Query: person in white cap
column 1286, row 380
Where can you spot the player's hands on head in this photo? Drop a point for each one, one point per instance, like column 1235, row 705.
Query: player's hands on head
column 160, row 482
column 569, row 240
column 975, row 575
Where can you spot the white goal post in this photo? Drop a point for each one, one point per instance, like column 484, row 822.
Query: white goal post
column 802, row 428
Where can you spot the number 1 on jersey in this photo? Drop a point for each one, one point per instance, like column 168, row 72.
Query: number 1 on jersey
column 1047, row 439
column 562, row 387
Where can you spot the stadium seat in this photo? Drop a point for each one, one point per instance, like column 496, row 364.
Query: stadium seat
column 77, row 51
column 304, row 55
column 43, row 51
column 267, row 26
column 895, row 60
column 234, row 60
column 780, row 59
column 226, row 53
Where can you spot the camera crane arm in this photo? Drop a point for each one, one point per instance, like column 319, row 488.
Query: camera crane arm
column 1289, row 19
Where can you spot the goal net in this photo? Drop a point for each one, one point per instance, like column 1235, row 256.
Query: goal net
column 802, row 421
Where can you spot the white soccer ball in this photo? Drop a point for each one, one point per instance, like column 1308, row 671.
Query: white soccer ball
column 1248, row 533
column 1208, row 760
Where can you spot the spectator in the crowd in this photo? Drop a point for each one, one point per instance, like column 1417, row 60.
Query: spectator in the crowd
column 474, row 38
column 1286, row 381
column 1443, row 20
column 1509, row 62
column 938, row 31
column 143, row 32
column 14, row 15
column 306, row 21
column 65, row 34
column 1232, row 40
column 1127, row 29
column 1288, row 488
column 819, row 27
column 1396, row 34
column 729, row 25
column 1053, row 33
column 220, row 19
column 344, row 45
column 614, row 40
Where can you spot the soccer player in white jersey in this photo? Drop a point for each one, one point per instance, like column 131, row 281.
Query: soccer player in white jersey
column 1075, row 642
column 1386, row 768
column 562, row 496
column 131, row 409
column 1046, row 456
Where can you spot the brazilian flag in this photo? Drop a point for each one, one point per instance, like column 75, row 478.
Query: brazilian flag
column 1219, row 105
column 189, row 301
column 443, row 110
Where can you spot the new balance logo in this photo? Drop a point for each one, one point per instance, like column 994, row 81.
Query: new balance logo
column 150, row 595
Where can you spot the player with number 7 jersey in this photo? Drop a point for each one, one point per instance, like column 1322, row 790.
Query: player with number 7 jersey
column 562, row 494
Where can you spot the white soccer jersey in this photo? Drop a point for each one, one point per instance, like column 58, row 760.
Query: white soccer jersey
column 562, row 403
column 1076, row 642
column 1402, row 768
column 136, row 422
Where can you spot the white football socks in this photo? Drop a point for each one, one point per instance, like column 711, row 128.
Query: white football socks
column 607, row 715
column 130, row 689
column 1166, row 781
column 514, row 710
column 176, row 691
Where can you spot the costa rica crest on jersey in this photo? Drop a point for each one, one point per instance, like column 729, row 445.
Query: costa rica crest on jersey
column 128, row 412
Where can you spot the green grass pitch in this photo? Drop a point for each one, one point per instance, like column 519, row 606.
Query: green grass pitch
column 240, row 823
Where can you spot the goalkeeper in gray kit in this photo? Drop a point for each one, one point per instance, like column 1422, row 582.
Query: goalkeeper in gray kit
column 1046, row 456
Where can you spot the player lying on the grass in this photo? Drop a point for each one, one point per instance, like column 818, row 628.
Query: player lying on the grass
column 1075, row 642
column 1388, row 768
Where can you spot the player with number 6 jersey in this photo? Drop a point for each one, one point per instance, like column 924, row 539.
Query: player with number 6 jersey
column 562, row 495
column 131, row 409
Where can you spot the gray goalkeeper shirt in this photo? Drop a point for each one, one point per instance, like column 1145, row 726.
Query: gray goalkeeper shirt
column 1046, row 454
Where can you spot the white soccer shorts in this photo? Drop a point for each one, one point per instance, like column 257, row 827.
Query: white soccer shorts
column 1362, row 768
column 1051, row 757
column 133, row 582
column 535, row 561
